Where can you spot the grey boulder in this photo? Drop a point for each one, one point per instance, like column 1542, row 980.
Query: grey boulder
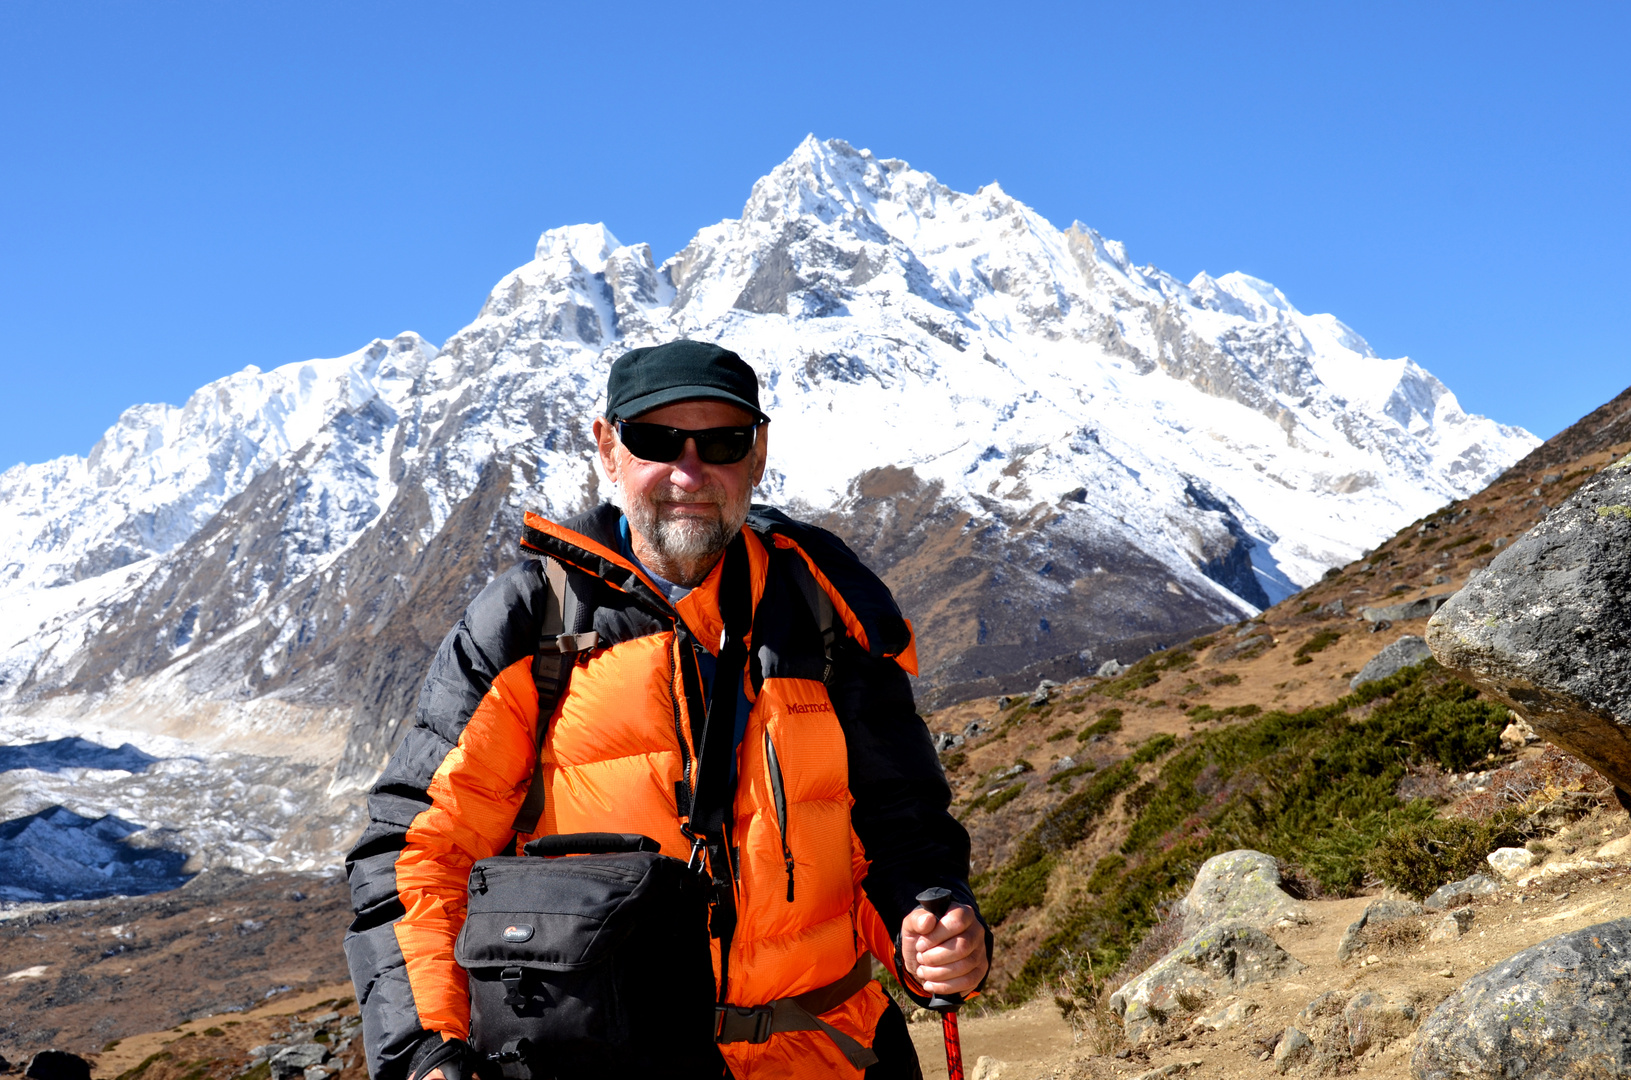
column 1411, row 609
column 1294, row 1048
column 1546, row 627
column 1376, row 913
column 1460, row 892
column 1452, row 926
column 1239, row 886
column 1215, row 962
column 295, row 1060
column 1403, row 653
column 1373, row 1020
column 1559, row 1009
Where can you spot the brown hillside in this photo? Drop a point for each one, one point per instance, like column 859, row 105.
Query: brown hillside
column 1299, row 654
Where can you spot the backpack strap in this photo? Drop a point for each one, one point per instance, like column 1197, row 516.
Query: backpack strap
column 713, row 804
column 566, row 608
column 821, row 607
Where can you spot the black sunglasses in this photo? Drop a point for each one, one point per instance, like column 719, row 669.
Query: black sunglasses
column 716, row 446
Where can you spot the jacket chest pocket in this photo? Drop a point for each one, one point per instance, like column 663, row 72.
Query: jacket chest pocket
column 778, row 796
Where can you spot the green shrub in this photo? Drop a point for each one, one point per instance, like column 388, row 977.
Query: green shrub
column 1004, row 797
column 1154, row 747
column 1023, row 880
column 1200, row 714
column 1105, row 873
column 1108, row 723
column 1418, row 856
column 1146, row 672
column 1318, row 643
column 137, row 1070
column 954, row 760
column 1063, row 733
column 1315, row 787
column 1065, row 776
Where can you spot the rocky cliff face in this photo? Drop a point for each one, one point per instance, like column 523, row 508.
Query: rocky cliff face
column 1053, row 455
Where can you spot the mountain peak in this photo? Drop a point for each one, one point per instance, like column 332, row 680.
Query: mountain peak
column 1056, row 453
column 586, row 245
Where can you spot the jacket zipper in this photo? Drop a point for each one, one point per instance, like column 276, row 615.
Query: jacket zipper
column 778, row 793
column 679, row 728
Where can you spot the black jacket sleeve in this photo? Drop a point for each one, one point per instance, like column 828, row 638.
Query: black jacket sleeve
column 902, row 800
column 499, row 627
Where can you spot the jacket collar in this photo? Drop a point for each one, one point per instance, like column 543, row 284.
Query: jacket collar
column 592, row 543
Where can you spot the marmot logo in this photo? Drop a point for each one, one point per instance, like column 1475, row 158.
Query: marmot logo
column 824, row 706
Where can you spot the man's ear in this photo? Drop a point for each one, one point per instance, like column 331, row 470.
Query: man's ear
column 606, row 446
column 761, row 452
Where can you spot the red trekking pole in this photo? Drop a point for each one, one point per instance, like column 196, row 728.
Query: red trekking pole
column 936, row 902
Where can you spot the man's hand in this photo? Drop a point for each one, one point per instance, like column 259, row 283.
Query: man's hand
column 947, row 956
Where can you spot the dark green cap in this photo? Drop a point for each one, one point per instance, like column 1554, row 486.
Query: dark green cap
column 684, row 370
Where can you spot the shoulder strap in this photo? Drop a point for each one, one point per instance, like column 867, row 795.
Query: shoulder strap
column 820, row 604
column 711, row 807
column 565, row 608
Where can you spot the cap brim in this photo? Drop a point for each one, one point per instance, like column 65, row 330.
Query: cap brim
column 671, row 394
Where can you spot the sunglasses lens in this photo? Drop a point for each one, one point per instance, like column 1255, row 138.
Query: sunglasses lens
column 725, row 446
column 652, row 442
column 716, row 446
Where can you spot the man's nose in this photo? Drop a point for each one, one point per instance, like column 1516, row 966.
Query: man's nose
column 687, row 471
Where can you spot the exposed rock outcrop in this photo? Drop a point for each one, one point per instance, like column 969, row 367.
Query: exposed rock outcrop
column 1546, row 628
column 1460, row 892
column 1409, row 609
column 1561, row 1008
column 1239, row 886
column 1408, row 650
column 1217, row 961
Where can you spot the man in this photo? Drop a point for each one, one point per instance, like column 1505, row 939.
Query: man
column 839, row 813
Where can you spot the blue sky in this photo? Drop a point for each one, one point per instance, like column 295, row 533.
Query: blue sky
column 186, row 188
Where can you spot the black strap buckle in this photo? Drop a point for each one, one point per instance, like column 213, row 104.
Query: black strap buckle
column 571, row 643
column 743, row 1023
column 513, row 995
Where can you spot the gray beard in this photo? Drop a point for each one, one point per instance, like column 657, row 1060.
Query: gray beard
column 687, row 548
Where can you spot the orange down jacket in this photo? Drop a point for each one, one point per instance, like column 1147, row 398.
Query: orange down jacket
column 840, row 813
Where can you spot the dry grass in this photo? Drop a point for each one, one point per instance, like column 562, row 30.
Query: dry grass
column 1528, row 785
column 1084, row 1002
column 1161, row 939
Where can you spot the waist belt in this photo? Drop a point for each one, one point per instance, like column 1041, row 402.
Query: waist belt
column 756, row 1023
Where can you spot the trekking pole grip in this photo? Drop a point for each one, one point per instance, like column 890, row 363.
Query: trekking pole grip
column 937, row 902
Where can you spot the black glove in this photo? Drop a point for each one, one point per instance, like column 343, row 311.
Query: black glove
column 454, row 1057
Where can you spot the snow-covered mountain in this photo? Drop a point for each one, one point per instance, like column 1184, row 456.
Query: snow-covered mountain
column 1054, row 456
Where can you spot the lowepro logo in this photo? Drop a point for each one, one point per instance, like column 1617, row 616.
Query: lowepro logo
column 520, row 932
column 820, row 706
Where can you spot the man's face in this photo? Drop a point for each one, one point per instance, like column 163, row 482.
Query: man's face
column 683, row 512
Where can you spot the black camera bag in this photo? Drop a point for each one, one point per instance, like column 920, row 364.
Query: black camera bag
column 591, row 963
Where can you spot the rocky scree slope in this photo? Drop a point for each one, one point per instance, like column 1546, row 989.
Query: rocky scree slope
column 1053, row 455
